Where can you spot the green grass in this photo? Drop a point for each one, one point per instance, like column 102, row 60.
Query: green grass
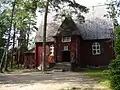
column 99, row 75
column 14, row 69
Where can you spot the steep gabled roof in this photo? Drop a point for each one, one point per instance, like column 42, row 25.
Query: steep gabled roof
column 68, row 27
column 92, row 29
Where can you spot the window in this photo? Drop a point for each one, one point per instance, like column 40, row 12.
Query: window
column 65, row 48
column 51, row 50
column 66, row 39
column 96, row 48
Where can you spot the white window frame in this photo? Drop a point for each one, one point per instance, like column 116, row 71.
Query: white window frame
column 96, row 48
column 66, row 39
column 51, row 50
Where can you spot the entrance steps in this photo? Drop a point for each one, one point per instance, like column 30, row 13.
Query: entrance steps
column 61, row 67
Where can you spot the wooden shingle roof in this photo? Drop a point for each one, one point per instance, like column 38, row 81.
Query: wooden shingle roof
column 92, row 29
column 52, row 29
column 96, row 29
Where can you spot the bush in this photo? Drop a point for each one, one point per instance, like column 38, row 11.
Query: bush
column 115, row 73
column 117, row 40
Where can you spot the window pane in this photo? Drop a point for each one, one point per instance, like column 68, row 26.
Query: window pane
column 94, row 51
column 96, row 48
column 98, row 51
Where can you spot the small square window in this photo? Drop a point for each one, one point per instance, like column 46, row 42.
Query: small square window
column 66, row 39
column 65, row 48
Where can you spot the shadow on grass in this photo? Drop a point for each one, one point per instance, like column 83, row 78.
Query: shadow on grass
column 101, row 75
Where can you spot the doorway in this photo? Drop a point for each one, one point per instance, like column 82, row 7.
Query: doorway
column 65, row 56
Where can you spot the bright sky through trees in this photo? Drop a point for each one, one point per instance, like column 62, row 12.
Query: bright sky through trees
column 88, row 3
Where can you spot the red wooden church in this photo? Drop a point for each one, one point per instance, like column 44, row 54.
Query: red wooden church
column 91, row 42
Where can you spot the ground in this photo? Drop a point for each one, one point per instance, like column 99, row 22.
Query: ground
column 49, row 80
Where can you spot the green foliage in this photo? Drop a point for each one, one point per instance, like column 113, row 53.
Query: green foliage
column 115, row 73
column 117, row 40
column 115, row 65
column 66, row 8
column 4, row 25
column 23, row 18
column 15, row 16
column 113, row 11
column 69, row 3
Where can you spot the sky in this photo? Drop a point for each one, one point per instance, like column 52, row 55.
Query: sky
column 91, row 2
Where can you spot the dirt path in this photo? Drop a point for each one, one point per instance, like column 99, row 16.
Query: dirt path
column 48, row 81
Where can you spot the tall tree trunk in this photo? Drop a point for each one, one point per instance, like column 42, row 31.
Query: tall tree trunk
column 23, row 46
column 44, row 38
column 13, row 46
column 9, row 32
column 2, row 61
column 18, row 58
column 28, row 35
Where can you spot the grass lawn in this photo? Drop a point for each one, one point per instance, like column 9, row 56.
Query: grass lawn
column 100, row 75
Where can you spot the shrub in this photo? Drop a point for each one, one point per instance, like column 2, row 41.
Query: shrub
column 117, row 40
column 115, row 73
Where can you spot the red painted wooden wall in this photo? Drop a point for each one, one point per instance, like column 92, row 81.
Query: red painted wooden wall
column 38, row 54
